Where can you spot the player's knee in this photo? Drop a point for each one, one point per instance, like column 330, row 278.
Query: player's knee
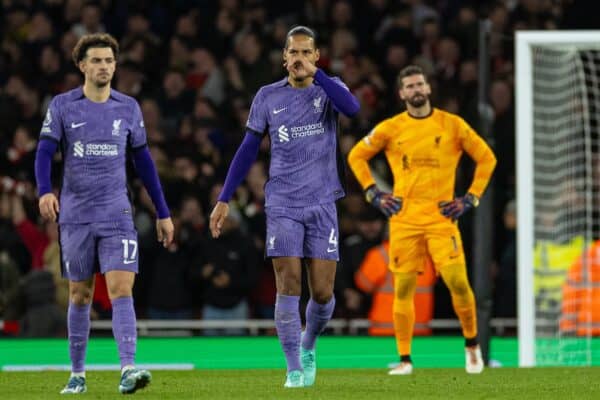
column 288, row 284
column 322, row 296
column 119, row 289
column 404, row 287
column 459, row 287
column 80, row 296
column 403, row 305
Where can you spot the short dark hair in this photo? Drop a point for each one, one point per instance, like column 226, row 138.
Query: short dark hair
column 409, row 70
column 94, row 40
column 301, row 30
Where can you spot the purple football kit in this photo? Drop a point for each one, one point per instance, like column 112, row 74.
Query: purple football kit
column 95, row 221
column 304, row 176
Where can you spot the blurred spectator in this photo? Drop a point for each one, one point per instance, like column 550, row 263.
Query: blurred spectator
column 35, row 305
column 91, row 20
column 505, row 282
column 170, row 282
column 228, row 268
column 351, row 302
column 9, row 280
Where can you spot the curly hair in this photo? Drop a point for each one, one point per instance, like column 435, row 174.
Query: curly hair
column 94, row 40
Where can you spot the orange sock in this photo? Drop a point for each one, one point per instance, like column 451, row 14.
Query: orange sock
column 404, row 311
column 463, row 300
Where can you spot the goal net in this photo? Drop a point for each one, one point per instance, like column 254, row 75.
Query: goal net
column 558, row 154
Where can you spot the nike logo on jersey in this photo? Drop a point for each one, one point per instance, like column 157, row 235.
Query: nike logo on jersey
column 278, row 111
column 128, row 261
column 77, row 125
column 331, row 250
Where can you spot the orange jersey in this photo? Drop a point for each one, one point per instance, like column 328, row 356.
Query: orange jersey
column 423, row 154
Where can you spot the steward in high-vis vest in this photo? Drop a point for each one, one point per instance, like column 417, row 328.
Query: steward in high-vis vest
column 375, row 278
column 581, row 295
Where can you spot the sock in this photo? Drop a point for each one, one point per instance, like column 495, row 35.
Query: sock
column 405, row 286
column 288, row 324
column 79, row 332
column 317, row 317
column 463, row 300
column 124, row 329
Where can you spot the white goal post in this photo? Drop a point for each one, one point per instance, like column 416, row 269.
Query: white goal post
column 535, row 107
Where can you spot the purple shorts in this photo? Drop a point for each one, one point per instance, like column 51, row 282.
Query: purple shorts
column 305, row 232
column 97, row 246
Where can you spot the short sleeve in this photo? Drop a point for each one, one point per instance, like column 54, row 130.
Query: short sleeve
column 257, row 118
column 52, row 127
column 137, row 133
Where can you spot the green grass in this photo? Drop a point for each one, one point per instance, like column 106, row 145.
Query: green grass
column 371, row 384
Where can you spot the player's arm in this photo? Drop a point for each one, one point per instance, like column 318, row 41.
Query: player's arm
column 341, row 97
column 484, row 158
column 358, row 160
column 240, row 165
column 50, row 136
column 146, row 171
column 485, row 161
column 242, row 161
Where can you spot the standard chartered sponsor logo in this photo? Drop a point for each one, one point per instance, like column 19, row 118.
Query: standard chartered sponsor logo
column 78, row 149
column 95, row 149
column 283, row 134
column 301, row 131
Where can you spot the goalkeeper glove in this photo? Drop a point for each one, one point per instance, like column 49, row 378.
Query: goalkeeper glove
column 456, row 208
column 385, row 202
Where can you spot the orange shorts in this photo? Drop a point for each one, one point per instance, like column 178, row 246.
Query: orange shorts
column 411, row 245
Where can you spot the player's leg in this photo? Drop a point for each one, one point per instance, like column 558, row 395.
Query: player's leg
column 321, row 278
column 407, row 258
column 288, row 273
column 445, row 246
column 285, row 235
column 77, row 261
column 118, row 255
column 322, row 249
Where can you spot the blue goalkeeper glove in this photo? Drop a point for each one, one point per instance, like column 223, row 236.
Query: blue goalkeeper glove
column 456, row 208
column 385, row 202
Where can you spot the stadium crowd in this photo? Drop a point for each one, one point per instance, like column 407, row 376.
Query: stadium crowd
column 194, row 66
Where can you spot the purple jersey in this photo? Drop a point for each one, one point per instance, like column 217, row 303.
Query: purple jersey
column 94, row 139
column 302, row 126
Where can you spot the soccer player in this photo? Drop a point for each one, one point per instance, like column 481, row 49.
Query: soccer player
column 95, row 128
column 423, row 146
column 299, row 113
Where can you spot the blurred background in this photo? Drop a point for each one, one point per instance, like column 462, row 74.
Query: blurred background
column 194, row 67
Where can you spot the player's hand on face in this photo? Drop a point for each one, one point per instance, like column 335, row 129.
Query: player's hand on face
column 165, row 231
column 49, row 207
column 300, row 63
column 217, row 218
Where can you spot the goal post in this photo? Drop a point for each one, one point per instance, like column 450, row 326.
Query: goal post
column 558, row 135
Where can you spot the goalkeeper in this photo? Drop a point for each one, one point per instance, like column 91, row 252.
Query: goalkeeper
column 423, row 146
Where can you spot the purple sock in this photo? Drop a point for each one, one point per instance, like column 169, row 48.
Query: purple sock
column 317, row 317
column 124, row 329
column 79, row 332
column 288, row 324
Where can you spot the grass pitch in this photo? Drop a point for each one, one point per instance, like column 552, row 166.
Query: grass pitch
column 370, row 384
